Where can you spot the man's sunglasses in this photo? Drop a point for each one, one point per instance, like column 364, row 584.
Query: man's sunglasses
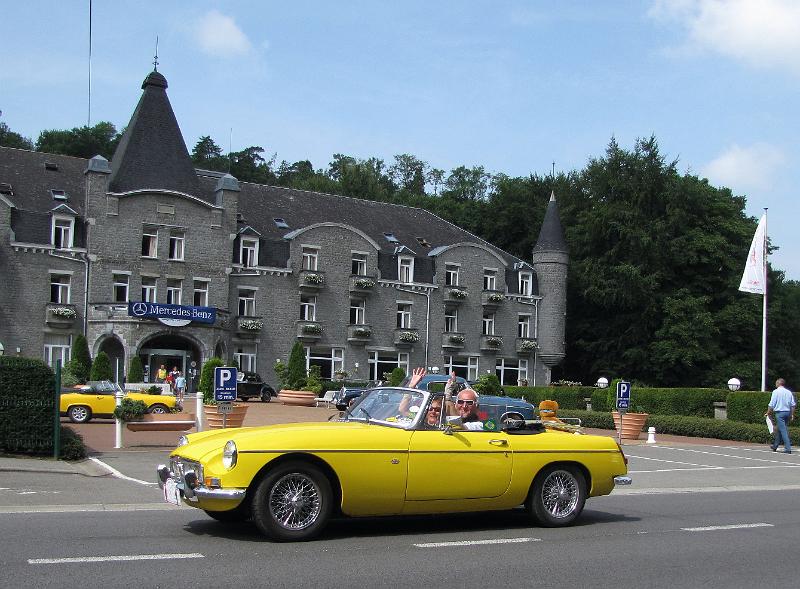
column 465, row 402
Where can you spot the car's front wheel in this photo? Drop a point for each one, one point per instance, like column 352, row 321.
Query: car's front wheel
column 558, row 495
column 293, row 502
column 79, row 414
column 266, row 394
column 159, row 408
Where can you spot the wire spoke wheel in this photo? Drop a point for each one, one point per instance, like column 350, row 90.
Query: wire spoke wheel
column 560, row 494
column 295, row 501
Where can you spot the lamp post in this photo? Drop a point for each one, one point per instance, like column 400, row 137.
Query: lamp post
column 734, row 384
column 2, row 349
column 602, row 382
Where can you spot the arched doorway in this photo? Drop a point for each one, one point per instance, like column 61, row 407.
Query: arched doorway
column 116, row 353
column 170, row 351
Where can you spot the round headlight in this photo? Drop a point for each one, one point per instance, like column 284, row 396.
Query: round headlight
column 229, row 454
column 182, row 441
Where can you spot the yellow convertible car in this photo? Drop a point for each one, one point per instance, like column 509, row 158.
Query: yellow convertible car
column 96, row 399
column 392, row 453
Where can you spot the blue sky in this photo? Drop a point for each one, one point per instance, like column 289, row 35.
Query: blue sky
column 509, row 85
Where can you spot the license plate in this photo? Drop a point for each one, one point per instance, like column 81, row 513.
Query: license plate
column 171, row 493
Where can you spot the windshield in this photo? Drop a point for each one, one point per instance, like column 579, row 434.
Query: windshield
column 388, row 406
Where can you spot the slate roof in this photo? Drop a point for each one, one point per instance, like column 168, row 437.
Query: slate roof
column 152, row 153
column 551, row 235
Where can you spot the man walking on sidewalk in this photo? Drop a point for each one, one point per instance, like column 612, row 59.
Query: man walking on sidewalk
column 782, row 406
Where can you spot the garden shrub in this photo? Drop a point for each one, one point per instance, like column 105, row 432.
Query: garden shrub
column 206, row 385
column 72, row 446
column 81, row 363
column 130, row 410
column 296, row 370
column 101, row 368
column 396, row 377
column 488, row 384
column 135, row 370
column 748, row 406
column 27, row 406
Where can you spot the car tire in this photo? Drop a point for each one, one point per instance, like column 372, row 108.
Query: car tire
column 266, row 394
column 283, row 516
column 238, row 514
column 558, row 495
column 511, row 417
column 158, row 408
column 79, row 414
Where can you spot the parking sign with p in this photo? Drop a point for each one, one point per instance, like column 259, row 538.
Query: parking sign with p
column 224, row 383
column 623, row 396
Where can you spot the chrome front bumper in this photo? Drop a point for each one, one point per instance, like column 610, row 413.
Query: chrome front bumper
column 191, row 485
column 623, row 480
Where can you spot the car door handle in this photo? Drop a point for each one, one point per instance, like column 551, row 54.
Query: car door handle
column 498, row 442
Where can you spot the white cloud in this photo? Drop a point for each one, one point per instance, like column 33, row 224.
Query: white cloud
column 756, row 32
column 219, row 35
column 744, row 169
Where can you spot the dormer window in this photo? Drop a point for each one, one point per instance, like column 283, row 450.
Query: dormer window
column 280, row 223
column 405, row 269
column 525, row 281
column 52, row 166
column 423, row 242
column 63, row 232
column 390, row 237
column 248, row 252
column 59, row 194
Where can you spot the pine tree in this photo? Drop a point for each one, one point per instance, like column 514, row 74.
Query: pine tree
column 101, row 368
column 81, row 363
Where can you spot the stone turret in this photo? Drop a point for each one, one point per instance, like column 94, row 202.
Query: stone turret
column 550, row 261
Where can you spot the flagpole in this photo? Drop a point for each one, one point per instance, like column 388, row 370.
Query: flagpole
column 764, row 313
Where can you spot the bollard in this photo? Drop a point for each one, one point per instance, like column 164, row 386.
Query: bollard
column 651, row 435
column 199, row 411
column 118, row 422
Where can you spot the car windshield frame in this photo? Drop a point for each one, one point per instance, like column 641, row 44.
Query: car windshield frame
column 387, row 413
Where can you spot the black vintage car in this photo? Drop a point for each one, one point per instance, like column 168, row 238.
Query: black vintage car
column 250, row 385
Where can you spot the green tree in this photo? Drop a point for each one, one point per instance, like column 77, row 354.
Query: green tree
column 85, row 142
column 296, row 370
column 467, row 183
column 81, row 363
column 9, row 138
column 408, row 173
column 208, row 155
column 101, row 368
column 136, row 370
column 396, row 377
column 206, row 385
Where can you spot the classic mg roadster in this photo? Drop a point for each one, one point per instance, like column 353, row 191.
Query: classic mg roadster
column 393, row 452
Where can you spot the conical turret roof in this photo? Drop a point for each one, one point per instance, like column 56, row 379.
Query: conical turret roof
column 551, row 235
column 152, row 153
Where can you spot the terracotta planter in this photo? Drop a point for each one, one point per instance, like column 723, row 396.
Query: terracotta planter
column 214, row 419
column 162, row 422
column 302, row 398
column 632, row 424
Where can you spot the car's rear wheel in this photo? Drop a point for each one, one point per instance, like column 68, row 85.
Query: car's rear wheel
column 237, row 514
column 293, row 502
column 159, row 408
column 266, row 394
column 511, row 417
column 79, row 414
column 558, row 495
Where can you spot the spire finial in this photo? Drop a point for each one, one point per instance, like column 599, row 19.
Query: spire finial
column 155, row 57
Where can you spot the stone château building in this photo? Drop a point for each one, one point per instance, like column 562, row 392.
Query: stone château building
column 366, row 286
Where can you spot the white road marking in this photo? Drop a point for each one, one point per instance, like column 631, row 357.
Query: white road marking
column 728, row 527
column 114, row 472
column 90, row 507
column 716, row 468
column 720, row 454
column 477, row 542
column 122, row 557
column 673, row 461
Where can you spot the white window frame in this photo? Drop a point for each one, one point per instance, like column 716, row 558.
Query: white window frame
column 403, row 315
column 405, row 269
column 57, row 351
column 488, row 324
column 248, row 252
column 149, row 291
column 358, row 312
column 245, row 357
column 310, row 258
column 451, row 320
column 456, row 363
column 402, row 361
column 200, row 287
column 246, row 304
column 358, row 263
column 525, row 283
column 62, row 233
column 523, row 325
column 308, row 307
column 490, row 280
column 515, row 373
column 63, row 292
column 121, row 281
column 177, row 242
column 151, row 235
column 332, row 360
column 174, row 291
column 451, row 274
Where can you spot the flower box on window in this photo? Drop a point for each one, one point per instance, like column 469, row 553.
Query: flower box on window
column 492, row 298
column 491, row 342
column 309, row 331
column 455, row 295
column 405, row 337
column 526, row 345
column 453, row 340
column 60, row 315
column 311, row 280
column 251, row 324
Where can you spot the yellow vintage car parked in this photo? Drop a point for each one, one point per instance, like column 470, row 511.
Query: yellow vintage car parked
column 389, row 454
column 96, row 399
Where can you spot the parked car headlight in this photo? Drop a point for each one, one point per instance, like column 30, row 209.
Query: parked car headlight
column 182, row 441
column 229, row 454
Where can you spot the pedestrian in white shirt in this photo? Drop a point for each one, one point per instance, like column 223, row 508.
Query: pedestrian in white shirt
column 782, row 406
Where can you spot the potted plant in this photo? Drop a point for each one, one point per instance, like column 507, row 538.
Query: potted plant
column 136, row 418
column 215, row 419
column 295, row 383
column 630, row 424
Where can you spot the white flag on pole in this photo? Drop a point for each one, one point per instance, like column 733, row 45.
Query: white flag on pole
column 754, row 270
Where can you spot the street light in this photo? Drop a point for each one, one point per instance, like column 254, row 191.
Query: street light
column 602, row 382
column 2, row 349
column 434, row 370
column 734, row 384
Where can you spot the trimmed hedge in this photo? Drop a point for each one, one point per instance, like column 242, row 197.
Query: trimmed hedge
column 748, row 406
column 683, row 425
column 567, row 397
